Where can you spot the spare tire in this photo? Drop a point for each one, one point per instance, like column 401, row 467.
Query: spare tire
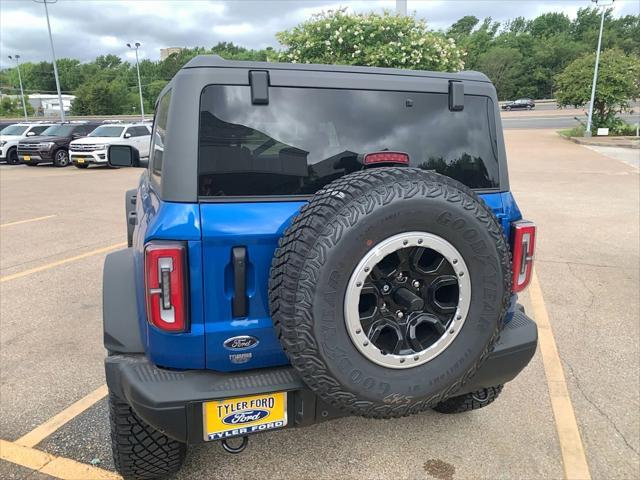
column 389, row 289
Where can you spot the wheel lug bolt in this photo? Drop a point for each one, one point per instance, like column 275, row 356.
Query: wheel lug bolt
column 400, row 277
column 399, row 314
column 416, row 284
column 383, row 306
column 386, row 288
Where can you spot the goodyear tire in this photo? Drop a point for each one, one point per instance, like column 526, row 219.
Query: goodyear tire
column 388, row 241
column 139, row 450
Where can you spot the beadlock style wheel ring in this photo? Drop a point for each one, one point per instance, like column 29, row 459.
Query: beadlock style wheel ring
column 407, row 300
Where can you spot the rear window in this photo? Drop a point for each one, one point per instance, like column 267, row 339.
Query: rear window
column 305, row 138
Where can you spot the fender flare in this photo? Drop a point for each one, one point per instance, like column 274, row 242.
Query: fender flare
column 119, row 304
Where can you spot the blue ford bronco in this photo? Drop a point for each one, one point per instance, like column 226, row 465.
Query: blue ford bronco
column 309, row 242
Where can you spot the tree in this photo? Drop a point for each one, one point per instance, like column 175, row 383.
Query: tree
column 12, row 107
column 104, row 98
column 151, row 92
column 503, row 65
column 386, row 40
column 618, row 83
column 550, row 24
column 463, row 27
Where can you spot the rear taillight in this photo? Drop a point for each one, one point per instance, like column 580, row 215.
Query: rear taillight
column 523, row 245
column 165, row 284
column 386, row 157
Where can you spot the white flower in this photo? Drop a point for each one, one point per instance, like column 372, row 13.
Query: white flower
column 340, row 40
column 327, row 25
column 327, row 42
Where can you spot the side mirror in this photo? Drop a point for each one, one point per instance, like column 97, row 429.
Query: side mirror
column 127, row 135
column 123, row 156
column 31, row 134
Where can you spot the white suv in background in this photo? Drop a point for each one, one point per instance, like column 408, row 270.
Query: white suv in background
column 93, row 148
column 11, row 135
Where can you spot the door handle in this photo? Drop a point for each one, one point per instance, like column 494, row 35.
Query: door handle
column 239, row 301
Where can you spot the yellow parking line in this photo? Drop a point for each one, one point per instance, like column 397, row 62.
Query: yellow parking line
column 47, row 266
column 57, row 467
column 573, row 456
column 41, row 432
column 20, row 222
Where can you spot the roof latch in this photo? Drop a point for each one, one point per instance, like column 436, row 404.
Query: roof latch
column 259, row 81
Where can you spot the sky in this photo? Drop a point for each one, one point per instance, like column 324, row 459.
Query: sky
column 84, row 29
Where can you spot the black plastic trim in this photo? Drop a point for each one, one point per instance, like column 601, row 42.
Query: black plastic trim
column 456, row 95
column 171, row 401
column 259, row 81
column 119, row 304
column 239, row 263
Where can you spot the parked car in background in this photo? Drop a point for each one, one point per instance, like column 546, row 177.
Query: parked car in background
column 52, row 146
column 521, row 103
column 93, row 149
column 11, row 135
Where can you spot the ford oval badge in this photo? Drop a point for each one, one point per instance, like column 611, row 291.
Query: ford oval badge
column 242, row 342
column 245, row 416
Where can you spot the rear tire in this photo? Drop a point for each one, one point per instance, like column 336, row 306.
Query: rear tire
column 12, row 157
column 139, row 450
column 469, row 401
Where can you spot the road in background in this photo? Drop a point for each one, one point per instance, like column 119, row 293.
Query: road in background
column 57, row 224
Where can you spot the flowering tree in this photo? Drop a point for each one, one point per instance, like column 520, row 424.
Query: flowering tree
column 337, row 37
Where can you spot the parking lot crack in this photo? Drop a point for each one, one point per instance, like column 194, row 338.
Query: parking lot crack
column 598, row 409
column 592, row 295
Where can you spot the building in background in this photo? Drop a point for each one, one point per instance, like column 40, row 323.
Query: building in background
column 165, row 52
column 47, row 104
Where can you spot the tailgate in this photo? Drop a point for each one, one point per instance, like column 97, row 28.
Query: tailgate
column 251, row 231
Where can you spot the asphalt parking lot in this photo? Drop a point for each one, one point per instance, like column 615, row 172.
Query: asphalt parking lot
column 58, row 224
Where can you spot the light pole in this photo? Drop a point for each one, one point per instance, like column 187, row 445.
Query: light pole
column 401, row 8
column 598, row 3
column 53, row 55
column 137, row 45
column 24, row 105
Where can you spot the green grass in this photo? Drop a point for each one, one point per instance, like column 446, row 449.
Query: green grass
column 577, row 131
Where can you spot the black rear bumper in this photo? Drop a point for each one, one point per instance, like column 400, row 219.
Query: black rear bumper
column 171, row 401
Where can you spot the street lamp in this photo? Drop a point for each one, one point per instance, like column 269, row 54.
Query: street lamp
column 24, row 105
column 53, row 55
column 401, row 8
column 135, row 47
column 599, row 3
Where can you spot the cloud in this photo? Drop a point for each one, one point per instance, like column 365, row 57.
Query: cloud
column 85, row 30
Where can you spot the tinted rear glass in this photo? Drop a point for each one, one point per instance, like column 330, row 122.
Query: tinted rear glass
column 305, row 138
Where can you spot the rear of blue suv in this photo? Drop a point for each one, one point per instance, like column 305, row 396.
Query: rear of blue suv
column 310, row 242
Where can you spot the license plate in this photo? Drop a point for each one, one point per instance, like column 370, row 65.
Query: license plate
column 80, row 160
column 244, row 415
column 26, row 158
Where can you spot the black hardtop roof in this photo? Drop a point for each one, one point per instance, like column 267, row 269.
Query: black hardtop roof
column 216, row 61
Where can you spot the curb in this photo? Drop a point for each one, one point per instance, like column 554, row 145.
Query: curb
column 628, row 142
